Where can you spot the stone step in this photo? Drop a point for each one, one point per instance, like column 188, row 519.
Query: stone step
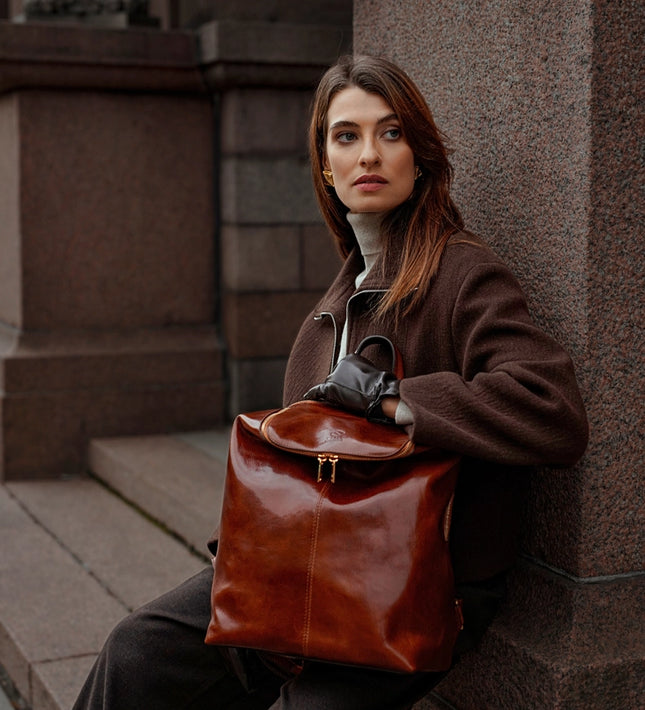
column 178, row 480
column 75, row 559
column 79, row 553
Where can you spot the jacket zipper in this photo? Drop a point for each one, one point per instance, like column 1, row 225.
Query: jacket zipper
column 322, row 314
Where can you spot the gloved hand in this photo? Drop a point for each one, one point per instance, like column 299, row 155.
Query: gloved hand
column 355, row 384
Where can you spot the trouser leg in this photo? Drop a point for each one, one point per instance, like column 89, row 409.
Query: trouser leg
column 323, row 686
column 157, row 658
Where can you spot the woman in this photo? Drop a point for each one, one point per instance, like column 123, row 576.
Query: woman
column 480, row 379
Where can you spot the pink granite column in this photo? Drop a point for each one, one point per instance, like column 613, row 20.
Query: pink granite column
column 107, row 275
column 541, row 103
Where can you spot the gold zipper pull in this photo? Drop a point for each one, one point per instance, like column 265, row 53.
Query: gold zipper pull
column 321, row 460
column 334, row 459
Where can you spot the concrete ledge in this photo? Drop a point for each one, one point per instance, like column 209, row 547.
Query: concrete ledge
column 557, row 643
column 63, row 360
column 61, row 389
column 46, row 55
column 171, row 479
column 241, row 53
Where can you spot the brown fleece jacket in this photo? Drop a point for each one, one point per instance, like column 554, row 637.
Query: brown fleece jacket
column 481, row 379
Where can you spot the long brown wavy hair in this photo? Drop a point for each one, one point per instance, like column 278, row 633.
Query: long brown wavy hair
column 416, row 232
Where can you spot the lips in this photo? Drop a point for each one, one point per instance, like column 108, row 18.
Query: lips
column 370, row 179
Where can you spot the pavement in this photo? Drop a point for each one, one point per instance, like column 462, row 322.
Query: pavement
column 79, row 553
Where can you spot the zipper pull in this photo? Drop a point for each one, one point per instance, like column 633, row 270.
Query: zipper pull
column 321, row 460
column 334, row 459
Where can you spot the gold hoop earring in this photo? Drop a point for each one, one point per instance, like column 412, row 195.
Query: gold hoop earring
column 417, row 172
column 328, row 177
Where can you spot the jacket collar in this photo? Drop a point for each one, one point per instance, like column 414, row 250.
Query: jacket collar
column 343, row 288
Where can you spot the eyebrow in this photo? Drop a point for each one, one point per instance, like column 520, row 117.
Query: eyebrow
column 353, row 124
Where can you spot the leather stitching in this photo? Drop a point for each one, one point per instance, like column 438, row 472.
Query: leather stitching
column 313, row 546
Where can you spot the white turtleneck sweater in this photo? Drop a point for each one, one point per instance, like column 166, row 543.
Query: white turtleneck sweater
column 367, row 230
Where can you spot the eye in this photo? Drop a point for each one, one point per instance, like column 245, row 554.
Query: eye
column 393, row 134
column 345, row 137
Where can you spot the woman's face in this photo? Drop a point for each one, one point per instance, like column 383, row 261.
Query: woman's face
column 371, row 161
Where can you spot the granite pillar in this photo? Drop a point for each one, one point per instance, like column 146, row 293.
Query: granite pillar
column 107, row 268
column 540, row 102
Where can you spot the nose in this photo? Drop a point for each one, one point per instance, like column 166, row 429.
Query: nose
column 369, row 153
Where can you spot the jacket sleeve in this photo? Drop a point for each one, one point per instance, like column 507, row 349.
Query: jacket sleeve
column 514, row 397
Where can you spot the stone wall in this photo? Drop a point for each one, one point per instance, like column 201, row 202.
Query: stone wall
column 160, row 240
column 275, row 256
column 107, row 286
column 540, row 103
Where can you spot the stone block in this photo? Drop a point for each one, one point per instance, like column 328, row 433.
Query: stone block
column 116, row 212
column 321, row 260
column 260, row 258
column 10, row 263
column 47, row 433
column 264, row 121
column 272, row 43
column 256, row 384
column 318, row 12
column 264, row 325
column 40, row 579
column 35, row 54
column 175, row 482
column 55, row 684
column 547, row 170
column 59, row 390
column 258, row 190
column 557, row 644
column 103, row 527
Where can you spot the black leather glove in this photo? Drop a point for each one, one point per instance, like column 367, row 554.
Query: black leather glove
column 355, row 384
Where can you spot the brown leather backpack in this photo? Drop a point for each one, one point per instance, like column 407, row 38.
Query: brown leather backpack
column 334, row 542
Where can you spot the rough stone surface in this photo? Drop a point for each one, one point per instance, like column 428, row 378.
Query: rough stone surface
column 55, row 684
column 107, row 244
column 172, row 480
column 256, row 384
column 261, row 258
column 10, row 273
column 541, row 106
column 313, row 12
column 265, row 325
column 540, row 103
column 41, row 580
column 263, row 190
column 557, row 644
column 264, row 120
column 38, row 54
column 76, row 558
column 125, row 239
column 133, row 578
column 277, row 43
column 47, row 433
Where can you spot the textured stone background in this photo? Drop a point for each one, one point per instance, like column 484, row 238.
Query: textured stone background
column 539, row 102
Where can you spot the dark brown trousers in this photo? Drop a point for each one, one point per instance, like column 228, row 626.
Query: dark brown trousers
column 157, row 658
